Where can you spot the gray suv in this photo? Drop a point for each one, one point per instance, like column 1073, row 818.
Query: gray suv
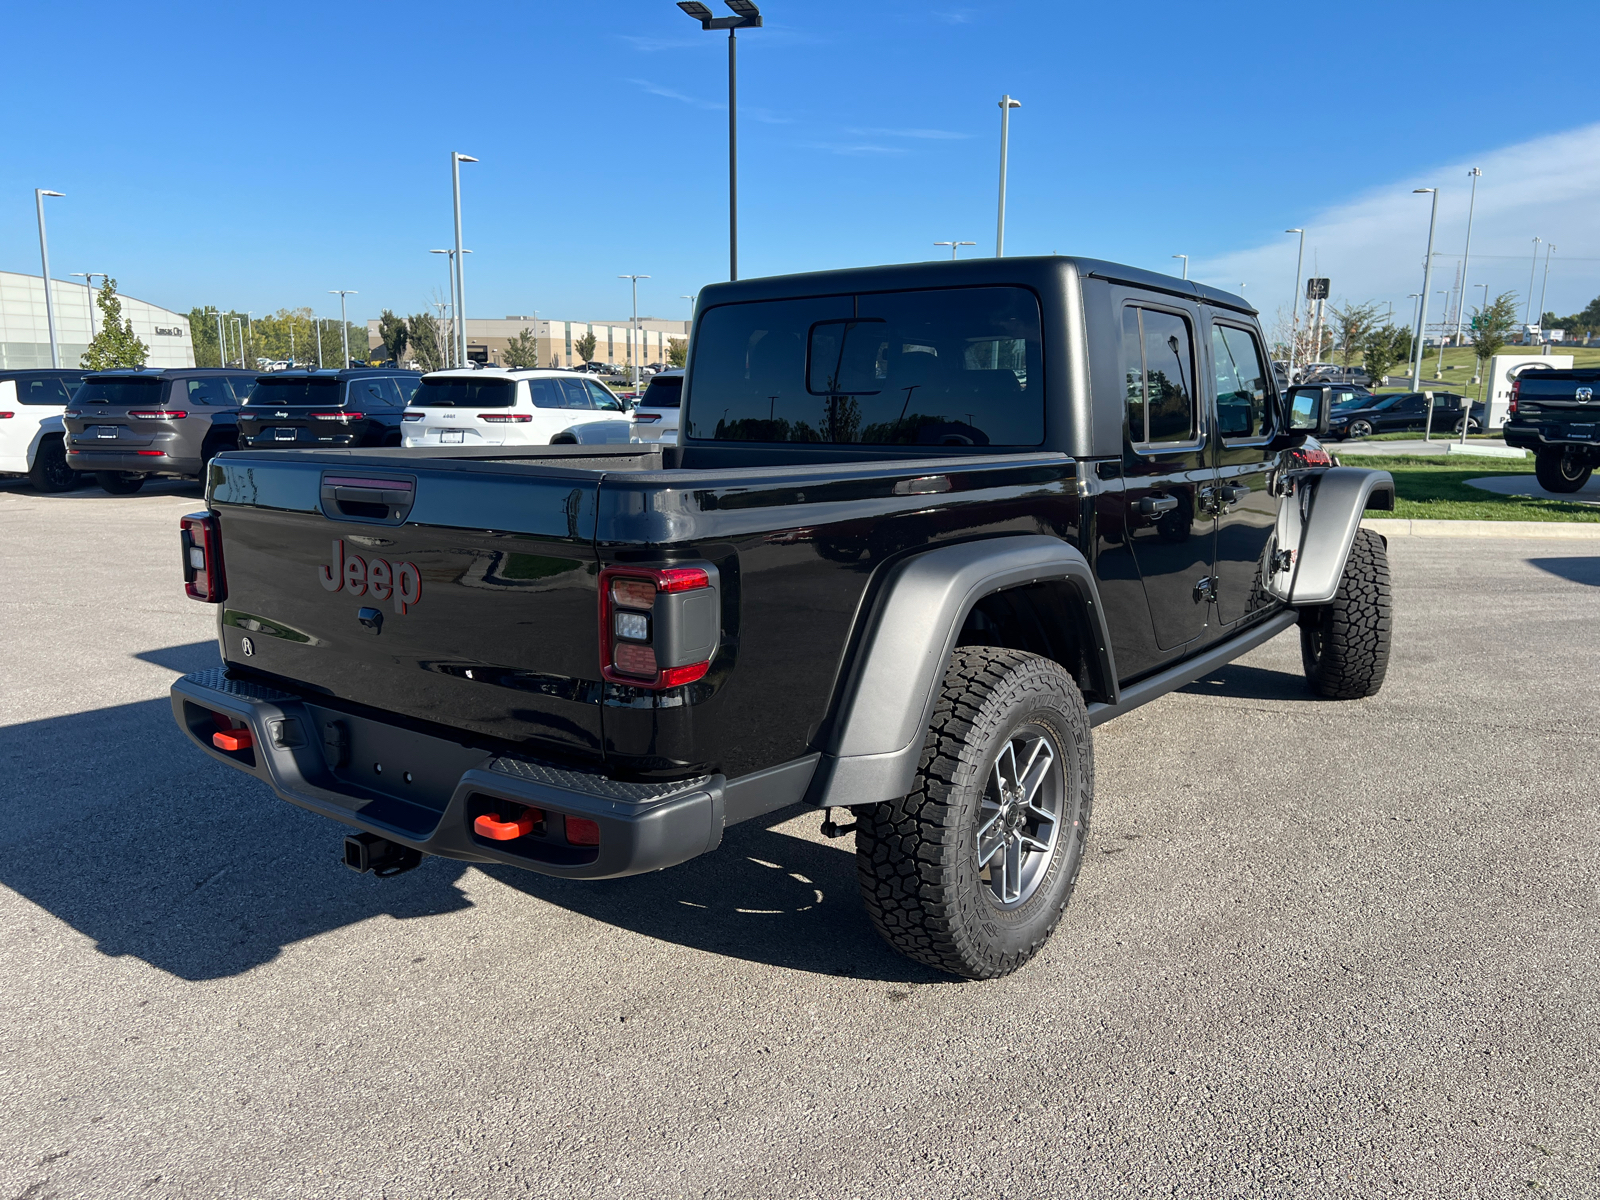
column 124, row 426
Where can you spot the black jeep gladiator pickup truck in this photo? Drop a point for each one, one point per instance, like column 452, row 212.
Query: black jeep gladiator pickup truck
column 1556, row 414
column 923, row 528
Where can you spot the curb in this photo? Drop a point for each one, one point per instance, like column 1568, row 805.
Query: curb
column 1390, row 527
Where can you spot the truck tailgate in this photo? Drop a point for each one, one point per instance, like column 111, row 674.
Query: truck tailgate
column 377, row 582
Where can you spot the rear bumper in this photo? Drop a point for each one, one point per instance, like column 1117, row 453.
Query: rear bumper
column 425, row 791
column 1528, row 436
column 87, row 458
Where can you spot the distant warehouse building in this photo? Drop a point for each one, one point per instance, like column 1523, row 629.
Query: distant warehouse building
column 487, row 339
column 25, row 328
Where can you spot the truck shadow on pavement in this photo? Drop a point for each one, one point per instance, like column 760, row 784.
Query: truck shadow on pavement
column 1584, row 570
column 1252, row 683
column 116, row 826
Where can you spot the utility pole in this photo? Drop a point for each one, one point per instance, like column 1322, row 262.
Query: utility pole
column 44, row 261
column 1427, row 282
column 456, row 159
column 1466, row 256
column 1543, row 287
column 1531, row 271
column 344, row 322
column 633, row 329
column 1294, row 329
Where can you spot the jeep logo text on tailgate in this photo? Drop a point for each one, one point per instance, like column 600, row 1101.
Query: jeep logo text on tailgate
column 380, row 578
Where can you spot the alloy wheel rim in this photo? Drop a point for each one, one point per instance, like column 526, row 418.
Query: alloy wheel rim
column 1020, row 817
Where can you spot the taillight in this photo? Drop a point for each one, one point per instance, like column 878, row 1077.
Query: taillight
column 412, row 417
column 158, row 414
column 646, row 418
column 201, row 538
column 5, row 416
column 505, row 418
column 659, row 628
column 1516, row 391
column 344, row 418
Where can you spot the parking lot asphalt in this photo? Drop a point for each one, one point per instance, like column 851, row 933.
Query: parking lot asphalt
column 1318, row 948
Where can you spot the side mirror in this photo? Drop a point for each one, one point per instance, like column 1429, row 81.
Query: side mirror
column 1310, row 409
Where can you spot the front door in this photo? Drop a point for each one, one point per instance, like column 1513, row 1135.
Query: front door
column 1167, row 477
column 1247, row 511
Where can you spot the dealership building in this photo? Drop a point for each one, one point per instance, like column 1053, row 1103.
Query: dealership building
column 25, row 326
column 488, row 338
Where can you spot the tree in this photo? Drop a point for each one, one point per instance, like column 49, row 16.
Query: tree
column 522, row 351
column 1352, row 323
column 394, row 335
column 677, row 352
column 584, row 347
column 115, row 345
column 1491, row 326
column 424, row 337
column 1382, row 350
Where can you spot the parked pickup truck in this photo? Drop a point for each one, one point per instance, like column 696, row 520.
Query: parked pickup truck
column 925, row 526
column 1556, row 414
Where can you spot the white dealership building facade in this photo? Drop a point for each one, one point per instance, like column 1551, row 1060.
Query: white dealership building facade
column 25, row 328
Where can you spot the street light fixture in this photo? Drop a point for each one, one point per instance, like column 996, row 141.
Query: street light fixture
column 88, row 282
column 344, row 322
column 456, row 159
column 1427, row 282
column 1006, row 105
column 44, row 262
column 1294, row 329
column 953, row 246
column 1466, row 256
column 745, row 15
column 1185, row 258
column 633, row 331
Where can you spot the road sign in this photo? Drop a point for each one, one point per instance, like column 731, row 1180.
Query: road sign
column 1316, row 289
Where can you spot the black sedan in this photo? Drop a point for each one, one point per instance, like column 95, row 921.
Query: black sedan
column 1401, row 412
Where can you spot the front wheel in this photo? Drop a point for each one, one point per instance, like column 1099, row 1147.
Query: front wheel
column 120, row 483
column 970, row 872
column 1560, row 470
column 1345, row 645
column 50, row 472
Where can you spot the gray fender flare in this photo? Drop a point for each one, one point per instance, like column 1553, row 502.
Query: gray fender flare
column 1342, row 494
column 886, row 700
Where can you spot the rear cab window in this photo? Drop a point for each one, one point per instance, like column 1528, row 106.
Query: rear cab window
column 938, row 367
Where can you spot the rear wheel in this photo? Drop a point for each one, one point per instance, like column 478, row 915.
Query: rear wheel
column 120, row 483
column 1472, row 426
column 50, row 472
column 1561, row 470
column 970, row 872
column 1345, row 644
column 1359, row 429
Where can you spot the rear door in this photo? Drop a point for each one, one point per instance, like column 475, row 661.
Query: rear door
column 1168, row 476
column 459, row 410
column 291, row 412
column 1246, row 510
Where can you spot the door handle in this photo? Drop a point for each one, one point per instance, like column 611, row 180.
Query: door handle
column 1232, row 493
column 1150, row 505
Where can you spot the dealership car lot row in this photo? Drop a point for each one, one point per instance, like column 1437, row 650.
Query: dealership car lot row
column 1315, row 947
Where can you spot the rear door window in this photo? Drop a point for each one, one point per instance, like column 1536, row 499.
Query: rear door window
column 373, row 393
column 407, row 386
column 575, row 395
column 46, row 389
column 1158, row 374
column 946, row 367
column 1243, row 401
column 242, row 387
column 208, row 391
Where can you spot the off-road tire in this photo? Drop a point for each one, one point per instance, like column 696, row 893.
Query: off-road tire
column 50, row 472
column 1558, row 471
column 916, row 857
column 1345, row 645
column 120, row 483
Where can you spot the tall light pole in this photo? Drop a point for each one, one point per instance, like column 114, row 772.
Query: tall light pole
column 1294, row 330
column 1427, row 282
column 1185, row 258
column 250, row 332
column 954, row 246
column 745, row 16
column 1531, row 271
column 456, row 159
column 1006, row 105
column 1438, row 363
column 344, row 322
column 633, row 330
column 238, row 336
column 1466, row 257
column 451, row 262
column 1549, row 249
column 88, row 282
column 44, row 260
column 1477, row 362
column 222, row 353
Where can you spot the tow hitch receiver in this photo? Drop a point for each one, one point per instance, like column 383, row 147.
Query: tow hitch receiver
column 365, row 852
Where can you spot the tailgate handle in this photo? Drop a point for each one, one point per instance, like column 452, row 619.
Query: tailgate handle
column 371, row 498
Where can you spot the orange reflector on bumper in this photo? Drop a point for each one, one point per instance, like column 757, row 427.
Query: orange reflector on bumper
column 582, row 832
column 233, row 739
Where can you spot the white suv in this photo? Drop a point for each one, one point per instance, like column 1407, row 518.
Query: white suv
column 31, row 404
column 655, row 416
column 496, row 406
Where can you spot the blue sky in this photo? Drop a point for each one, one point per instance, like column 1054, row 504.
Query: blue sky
column 181, row 137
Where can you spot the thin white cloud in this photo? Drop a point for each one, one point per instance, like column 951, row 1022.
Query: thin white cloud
column 930, row 134
column 854, row 148
column 656, row 89
column 650, row 45
column 1372, row 246
column 954, row 16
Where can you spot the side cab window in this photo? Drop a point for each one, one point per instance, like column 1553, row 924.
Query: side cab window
column 1158, row 373
column 1244, row 397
